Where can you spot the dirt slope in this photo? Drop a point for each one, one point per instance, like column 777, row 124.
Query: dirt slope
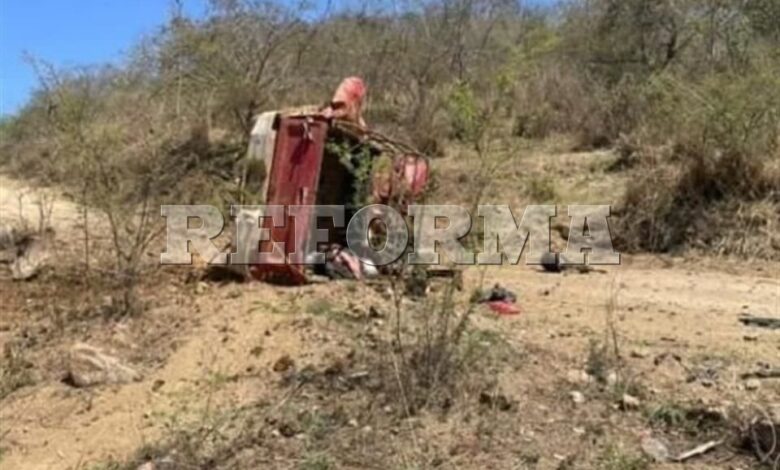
column 236, row 333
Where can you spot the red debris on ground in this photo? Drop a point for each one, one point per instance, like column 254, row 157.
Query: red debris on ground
column 501, row 300
column 503, row 307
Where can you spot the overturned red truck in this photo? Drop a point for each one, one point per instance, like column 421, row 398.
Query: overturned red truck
column 325, row 155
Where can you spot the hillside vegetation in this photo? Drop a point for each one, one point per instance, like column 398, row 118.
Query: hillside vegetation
column 688, row 91
column 667, row 109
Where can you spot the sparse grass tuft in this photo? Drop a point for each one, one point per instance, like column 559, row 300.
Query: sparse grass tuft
column 316, row 462
column 321, row 307
column 542, row 190
column 615, row 458
column 16, row 371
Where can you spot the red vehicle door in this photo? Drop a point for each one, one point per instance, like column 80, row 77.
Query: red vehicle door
column 293, row 181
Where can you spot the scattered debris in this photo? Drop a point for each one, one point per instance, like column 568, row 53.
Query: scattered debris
column 577, row 397
column 696, row 451
column 655, row 449
column 761, row 322
column 554, row 263
column 500, row 300
column 342, row 263
column 89, row 366
column 504, row 308
column 498, row 293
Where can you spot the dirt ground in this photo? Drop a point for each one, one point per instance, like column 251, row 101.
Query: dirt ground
column 204, row 347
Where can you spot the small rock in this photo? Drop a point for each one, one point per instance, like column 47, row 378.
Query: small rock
column 578, row 377
column 283, row 364
column 577, row 397
column 147, row 466
column 629, row 402
column 639, row 354
column 353, row 423
column 655, row 449
column 612, row 379
column 30, row 259
column 286, row 430
column 157, row 385
column 751, row 337
column 497, row 401
column 88, row 366
column 234, row 294
column 752, row 384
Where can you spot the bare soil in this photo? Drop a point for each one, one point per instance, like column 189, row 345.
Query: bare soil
column 205, row 348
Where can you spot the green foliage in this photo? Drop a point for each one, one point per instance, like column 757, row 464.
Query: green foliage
column 698, row 76
column 670, row 415
column 724, row 142
column 542, row 190
column 720, row 114
column 359, row 160
column 6, row 123
column 467, row 120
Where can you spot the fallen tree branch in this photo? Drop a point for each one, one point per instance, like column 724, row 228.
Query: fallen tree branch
column 696, row 451
column 762, row 374
column 761, row 322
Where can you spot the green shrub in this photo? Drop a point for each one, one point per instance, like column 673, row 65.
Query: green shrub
column 725, row 143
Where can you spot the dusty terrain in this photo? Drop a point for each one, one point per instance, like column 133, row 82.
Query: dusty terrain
column 205, row 348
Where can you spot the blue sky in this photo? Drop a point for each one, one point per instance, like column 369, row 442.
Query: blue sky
column 70, row 32
column 75, row 32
